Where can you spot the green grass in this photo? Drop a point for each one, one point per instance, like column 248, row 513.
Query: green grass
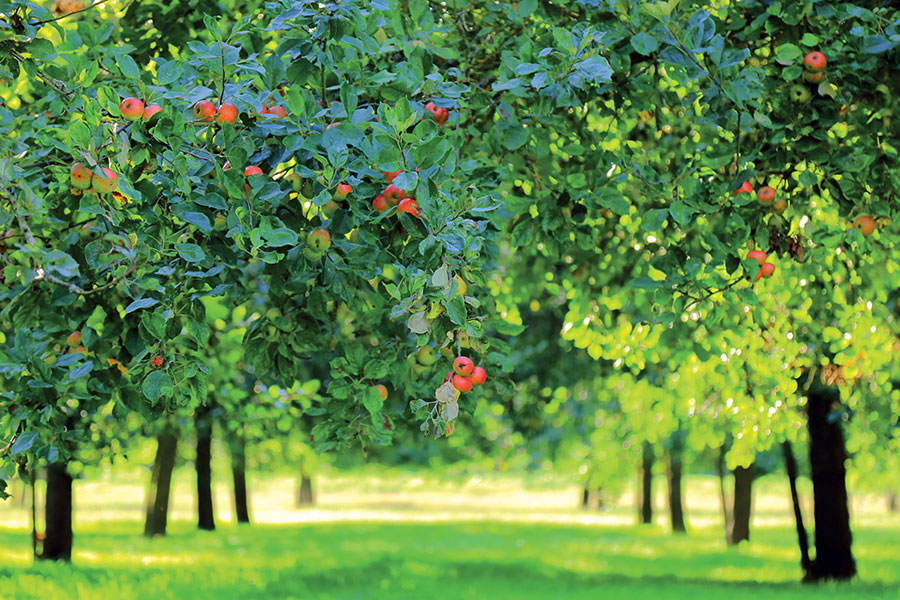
column 409, row 537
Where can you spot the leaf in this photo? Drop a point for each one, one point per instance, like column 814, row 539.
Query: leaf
column 128, row 66
column 787, row 53
column 681, row 212
column 81, row 370
column 449, row 410
column 654, row 219
column 282, row 237
column 24, row 441
column 190, row 252
column 418, row 323
column 446, row 392
column 372, row 400
column 876, row 44
column 156, row 385
column 142, row 303
column 197, row 219
column 613, row 200
column 198, row 330
column 441, row 277
column 456, row 309
column 645, row 283
column 376, row 369
column 644, row 43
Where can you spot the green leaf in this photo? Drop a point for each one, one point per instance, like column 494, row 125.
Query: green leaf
column 156, row 385
column 653, row 219
column 198, row 219
column 456, row 309
column 24, row 441
column 644, row 43
column 198, row 330
column 787, row 53
column 441, row 277
column 613, row 200
column 418, row 323
column 681, row 212
column 128, row 66
column 282, row 237
column 376, row 369
column 190, row 252
column 80, row 134
column 81, row 370
column 142, row 303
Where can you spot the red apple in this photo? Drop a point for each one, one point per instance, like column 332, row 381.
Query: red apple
column 462, row 383
column 759, row 255
column 228, row 112
column 393, row 194
column 766, row 194
column 478, row 376
column 865, row 224
column 131, row 109
column 151, row 111
column 343, row 190
column 408, row 205
column 80, row 176
column 379, row 203
column 463, row 365
column 390, row 176
column 815, row 61
column 745, row 188
column 103, row 185
column 318, row 240
column 204, row 110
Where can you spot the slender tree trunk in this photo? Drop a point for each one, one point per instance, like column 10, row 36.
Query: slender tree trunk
column 239, row 474
column 790, row 465
column 58, row 536
column 305, row 497
column 723, row 496
column 739, row 526
column 206, row 519
column 585, row 497
column 646, row 504
column 827, row 455
column 892, row 502
column 674, row 470
column 601, row 499
column 160, row 486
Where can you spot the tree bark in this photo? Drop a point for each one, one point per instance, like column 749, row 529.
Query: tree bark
column 58, row 535
column 892, row 502
column 601, row 499
column 160, row 486
column 239, row 475
column 790, row 465
column 827, row 456
column 674, row 470
column 723, row 496
column 585, row 497
column 646, row 503
column 305, row 497
column 203, row 424
column 739, row 526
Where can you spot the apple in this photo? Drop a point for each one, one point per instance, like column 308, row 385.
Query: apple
column 151, row 111
column 393, row 194
column 157, row 362
column 80, row 176
column 343, row 190
column 318, row 240
column 865, row 224
column 252, row 170
column 766, row 194
column 204, row 110
column 382, row 391
column 463, row 365
column 440, row 114
column 379, row 203
column 478, row 376
column 766, row 270
column 779, row 206
column 814, row 76
column 296, row 181
column 104, row 185
column 799, row 93
column 131, row 109
column 74, row 339
column 278, row 111
column 312, row 254
column 426, row 355
column 815, row 61
column 408, row 205
column 330, row 207
column 745, row 188
column 390, row 176
column 462, row 383
column 759, row 255
column 228, row 112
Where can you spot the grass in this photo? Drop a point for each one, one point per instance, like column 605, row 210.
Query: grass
column 399, row 535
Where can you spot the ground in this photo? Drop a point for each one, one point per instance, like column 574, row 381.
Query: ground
column 385, row 534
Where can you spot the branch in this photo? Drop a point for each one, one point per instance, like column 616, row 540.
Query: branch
column 67, row 15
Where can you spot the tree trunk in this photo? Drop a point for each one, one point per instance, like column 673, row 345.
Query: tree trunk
column 646, row 504
column 160, row 486
column 601, row 499
column 790, row 465
column 306, row 496
column 723, row 496
column 58, row 534
column 739, row 526
column 585, row 497
column 205, row 518
column 239, row 474
column 674, row 470
column 892, row 502
column 827, row 455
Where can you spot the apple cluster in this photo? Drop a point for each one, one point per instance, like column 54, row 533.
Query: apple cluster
column 440, row 114
column 766, row 269
column 465, row 374
column 394, row 196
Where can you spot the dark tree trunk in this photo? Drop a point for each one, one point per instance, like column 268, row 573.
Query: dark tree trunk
column 646, row 504
column 739, row 526
column 601, row 499
column 305, row 497
column 239, row 474
column 205, row 518
column 160, row 486
column 585, row 497
column 892, row 502
column 720, row 469
column 790, row 465
column 827, row 455
column 674, row 470
column 58, row 535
